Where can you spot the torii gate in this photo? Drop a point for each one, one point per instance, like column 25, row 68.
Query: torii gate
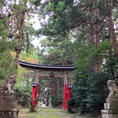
column 51, row 68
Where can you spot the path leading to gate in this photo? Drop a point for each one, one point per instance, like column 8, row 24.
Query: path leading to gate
column 47, row 113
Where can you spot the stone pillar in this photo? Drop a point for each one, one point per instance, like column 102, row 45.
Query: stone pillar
column 8, row 106
column 111, row 105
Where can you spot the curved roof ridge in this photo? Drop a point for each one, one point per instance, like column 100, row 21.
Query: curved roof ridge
column 45, row 66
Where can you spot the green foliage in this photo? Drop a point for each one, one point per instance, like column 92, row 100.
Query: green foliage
column 84, row 56
column 97, row 90
column 101, row 49
column 59, row 51
column 68, row 30
column 23, row 95
column 102, row 7
column 23, row 87
column 89, row 93
column 87, row 55
column 6, row 60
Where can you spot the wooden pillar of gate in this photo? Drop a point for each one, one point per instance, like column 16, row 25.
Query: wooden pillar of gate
column 34, row 91
column 66, row 92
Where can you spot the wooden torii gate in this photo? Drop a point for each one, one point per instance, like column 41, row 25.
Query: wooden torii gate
column 52, row 68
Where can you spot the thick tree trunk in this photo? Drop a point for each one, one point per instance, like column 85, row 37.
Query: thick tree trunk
column 94, row 37
column 112, row 33
column 97, row 25
column 20, row 28
column 97, row 41
column 112, row 29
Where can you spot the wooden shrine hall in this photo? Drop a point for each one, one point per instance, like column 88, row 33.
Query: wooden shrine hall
column 64, row 73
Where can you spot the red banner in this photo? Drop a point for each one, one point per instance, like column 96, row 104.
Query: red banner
column 66, row 96
column 34, row 96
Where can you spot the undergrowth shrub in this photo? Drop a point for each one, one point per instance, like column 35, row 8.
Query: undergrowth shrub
column 23, row 95
column 89, row 93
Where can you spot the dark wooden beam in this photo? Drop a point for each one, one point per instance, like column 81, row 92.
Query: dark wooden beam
column 47, row 76
column 42, row 67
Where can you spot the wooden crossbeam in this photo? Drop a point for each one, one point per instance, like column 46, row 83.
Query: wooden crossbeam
column 46, row 75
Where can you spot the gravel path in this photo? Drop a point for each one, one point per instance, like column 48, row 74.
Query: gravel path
column 45, row 113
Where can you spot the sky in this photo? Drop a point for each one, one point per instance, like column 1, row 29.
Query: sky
column 36, row 23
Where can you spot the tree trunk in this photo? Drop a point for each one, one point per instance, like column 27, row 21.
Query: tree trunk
column 97, row 41
column 20, row 28
column 112, row 32
column 94, row 37
column 112, row 29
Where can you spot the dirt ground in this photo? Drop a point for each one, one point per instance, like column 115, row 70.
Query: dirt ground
column 47, row 113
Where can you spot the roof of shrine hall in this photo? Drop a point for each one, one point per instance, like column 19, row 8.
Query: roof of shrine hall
column 45, row 67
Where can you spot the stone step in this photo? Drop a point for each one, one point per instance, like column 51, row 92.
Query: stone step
column 109, row 115
column 109, row 111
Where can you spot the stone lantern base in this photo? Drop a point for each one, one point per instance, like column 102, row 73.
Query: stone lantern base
column 8, row 106
column 110, row 108
column 111, row 105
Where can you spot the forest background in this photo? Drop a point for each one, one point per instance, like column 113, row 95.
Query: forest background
column 82, row 33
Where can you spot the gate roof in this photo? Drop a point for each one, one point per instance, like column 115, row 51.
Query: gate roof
column 45, row 67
